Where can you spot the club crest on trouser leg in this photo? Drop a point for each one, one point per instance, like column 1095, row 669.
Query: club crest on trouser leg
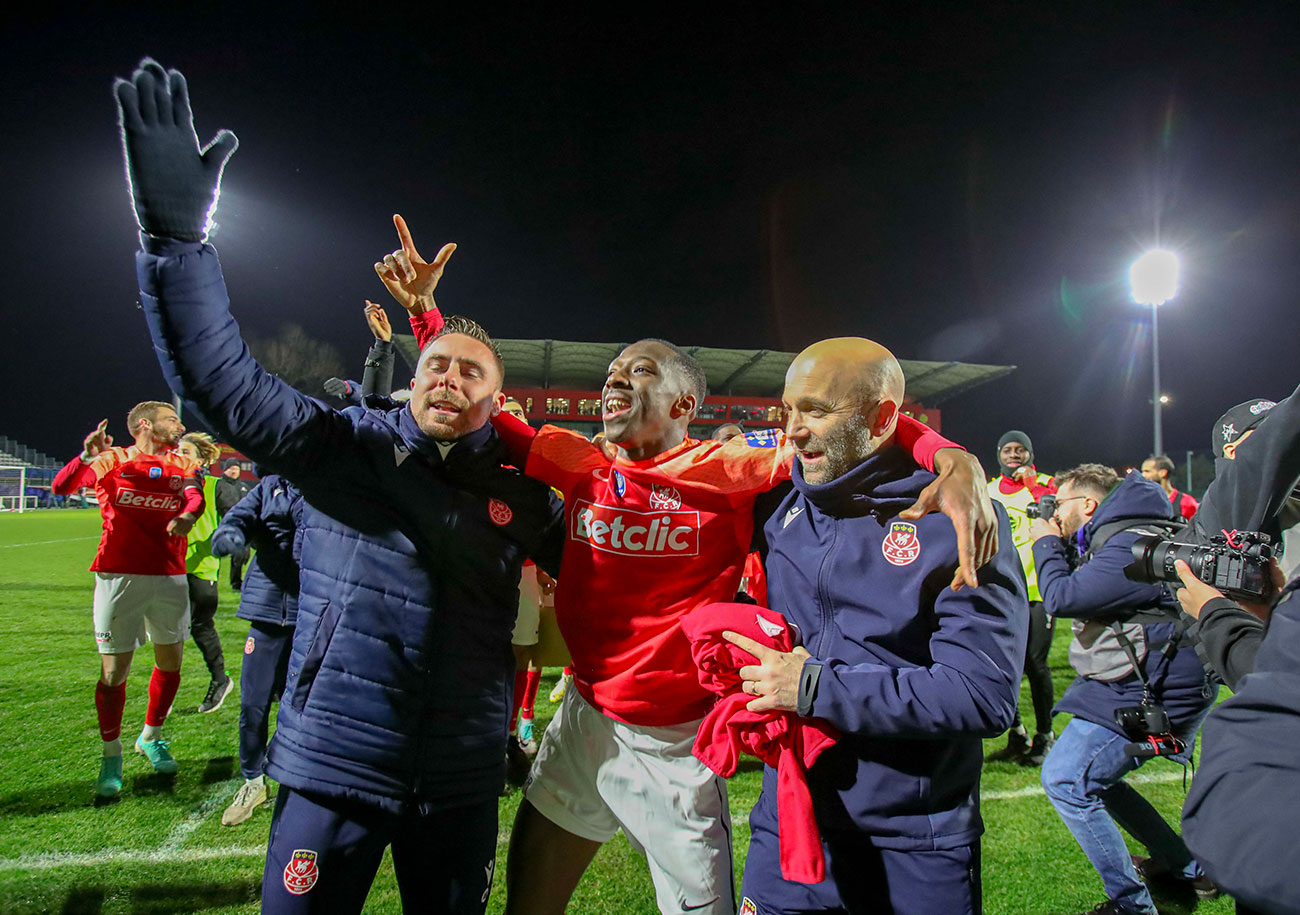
column 747, row 907
column 901, row 546
column 499, row 512
column 301, row 873
column 249, row 645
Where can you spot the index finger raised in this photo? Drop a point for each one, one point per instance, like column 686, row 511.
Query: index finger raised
column 403, row 233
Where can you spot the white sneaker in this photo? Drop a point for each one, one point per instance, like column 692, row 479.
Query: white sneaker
column 248, row 798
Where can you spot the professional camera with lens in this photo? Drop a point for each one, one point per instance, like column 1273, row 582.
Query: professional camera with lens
column 1236, row 564
column 1044, row 508
column 1147, row 724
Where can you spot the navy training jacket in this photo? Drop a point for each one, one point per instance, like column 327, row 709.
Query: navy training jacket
column 270, row 520
column 1099, row 590
column 913, row 673
column 401, row 670
column 1240, row 815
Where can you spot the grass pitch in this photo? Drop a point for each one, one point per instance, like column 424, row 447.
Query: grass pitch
column 161, row 846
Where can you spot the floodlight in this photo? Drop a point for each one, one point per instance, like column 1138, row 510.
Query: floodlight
column 1153, row 278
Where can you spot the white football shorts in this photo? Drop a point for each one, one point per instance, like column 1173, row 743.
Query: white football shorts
column 127, row 607
column 594, row 775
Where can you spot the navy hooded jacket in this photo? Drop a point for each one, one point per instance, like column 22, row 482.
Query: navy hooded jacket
column 401, row 671
column 1240, row 815
column 269, row 519
column 1098, row 589
column 913, row 673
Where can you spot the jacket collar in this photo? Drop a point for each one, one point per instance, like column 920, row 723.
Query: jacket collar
column 885, row 483
column 481, row 442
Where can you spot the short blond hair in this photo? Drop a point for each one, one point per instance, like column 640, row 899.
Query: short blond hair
column 147, row 409
column 208, row 449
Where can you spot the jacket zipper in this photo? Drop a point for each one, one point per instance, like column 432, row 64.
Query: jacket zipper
column 823, row 596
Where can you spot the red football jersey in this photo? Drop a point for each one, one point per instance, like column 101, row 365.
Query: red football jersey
column 138, row 494
column 647, row 542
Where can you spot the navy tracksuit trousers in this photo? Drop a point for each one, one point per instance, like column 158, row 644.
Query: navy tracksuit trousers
column 266, row 661
column 324, row 853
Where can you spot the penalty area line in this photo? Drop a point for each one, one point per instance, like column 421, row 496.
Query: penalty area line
column 129, row 856
column 14, row 546
column 1140, row 778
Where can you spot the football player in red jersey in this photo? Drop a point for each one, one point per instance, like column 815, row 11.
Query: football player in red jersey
column 149, row 497
column 655, row 531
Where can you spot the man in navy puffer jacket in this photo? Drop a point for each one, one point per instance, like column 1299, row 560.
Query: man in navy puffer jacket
column 1083, row 774
column 913, row 673
column 269, row 519
column 392, row 728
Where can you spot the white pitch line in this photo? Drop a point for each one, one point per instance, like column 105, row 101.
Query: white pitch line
column 129, row 856
column 12, row 546
column 216, row 796
column 1033, row 790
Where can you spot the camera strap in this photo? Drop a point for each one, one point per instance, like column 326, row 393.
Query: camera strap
column 1166, row 654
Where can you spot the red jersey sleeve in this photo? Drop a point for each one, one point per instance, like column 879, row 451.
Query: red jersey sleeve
column 426, row 325
column 922, row 441
column 561, row 457
column 516, row 435
column 73, row 476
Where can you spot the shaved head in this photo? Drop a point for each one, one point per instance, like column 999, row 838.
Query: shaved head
column 843, row 396
column 856, row 366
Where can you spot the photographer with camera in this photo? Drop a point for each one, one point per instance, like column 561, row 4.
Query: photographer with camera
column 1240, row 815
column 1139, row 693
column 1017, row 487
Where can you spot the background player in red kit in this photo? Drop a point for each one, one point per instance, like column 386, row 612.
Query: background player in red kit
column 660, row 529
column 149, row 497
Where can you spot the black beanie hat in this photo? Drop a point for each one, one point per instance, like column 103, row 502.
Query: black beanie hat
column 1015, row 435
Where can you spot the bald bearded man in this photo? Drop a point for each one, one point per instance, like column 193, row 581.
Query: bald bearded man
column 912, row 673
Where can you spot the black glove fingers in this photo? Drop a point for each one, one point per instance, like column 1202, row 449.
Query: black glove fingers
column 128, row 104
column 145, row 90
column 181, row 113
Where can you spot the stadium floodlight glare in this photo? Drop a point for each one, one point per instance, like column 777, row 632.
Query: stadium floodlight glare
column 1153, row 278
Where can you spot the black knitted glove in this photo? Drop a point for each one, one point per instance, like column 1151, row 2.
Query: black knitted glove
column 338, row 387
column 174, row 184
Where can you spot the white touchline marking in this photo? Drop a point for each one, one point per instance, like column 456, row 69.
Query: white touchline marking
column 1032, row 790
column 128, row 856
column 12, row 546
column 215, row 797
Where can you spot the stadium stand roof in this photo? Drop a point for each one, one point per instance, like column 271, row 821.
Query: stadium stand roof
column 574, row 365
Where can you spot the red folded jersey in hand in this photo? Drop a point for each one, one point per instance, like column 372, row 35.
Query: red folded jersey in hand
column 783, row 740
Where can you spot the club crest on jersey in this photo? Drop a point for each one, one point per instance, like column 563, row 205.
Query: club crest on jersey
column 664, row 498
column 761, row 438
column 747, row 907
column 174, row 481
column 301, row 873
column 249, row 645
column 499, row 512
column 155, row 473
column 620, row 483
column 901, row 546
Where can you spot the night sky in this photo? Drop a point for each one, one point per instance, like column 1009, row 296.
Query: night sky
column 959, row 186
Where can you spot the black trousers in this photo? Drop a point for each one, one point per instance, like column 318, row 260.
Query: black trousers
column 203, row 610
column 1037, row 670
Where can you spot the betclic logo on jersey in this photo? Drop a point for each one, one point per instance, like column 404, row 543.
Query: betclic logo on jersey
column 613, row 529
column 134, row 498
